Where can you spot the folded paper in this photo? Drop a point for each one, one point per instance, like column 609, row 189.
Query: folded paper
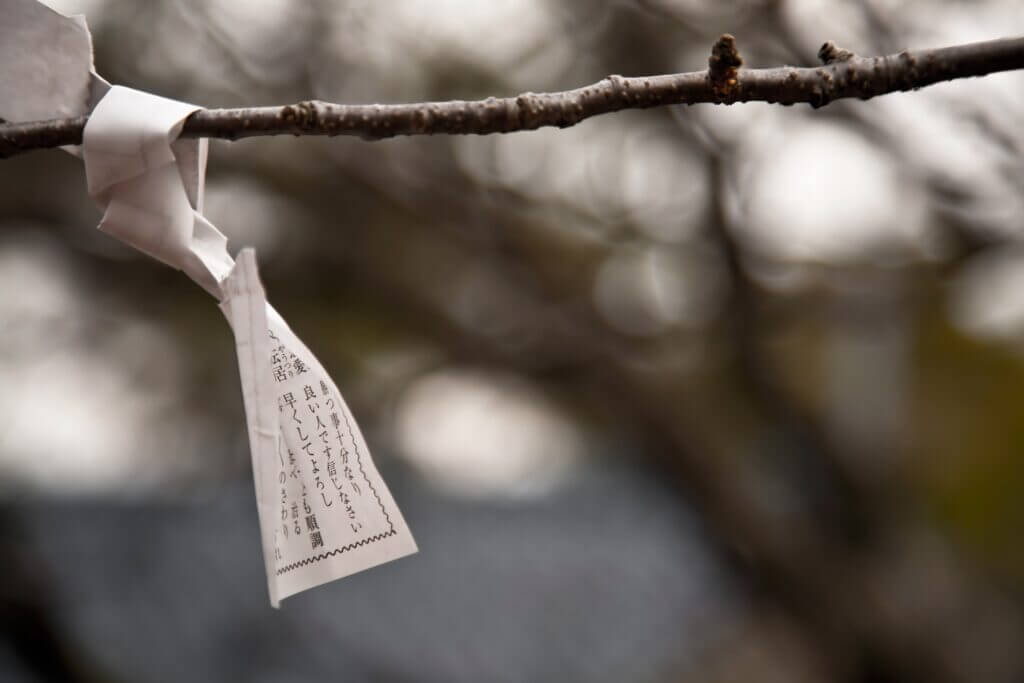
column 47, row 64
column 324, row 510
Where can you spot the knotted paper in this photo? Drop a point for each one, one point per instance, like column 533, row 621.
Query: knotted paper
column 324, row 510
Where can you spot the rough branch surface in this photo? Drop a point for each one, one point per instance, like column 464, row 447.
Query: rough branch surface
column 843, row 74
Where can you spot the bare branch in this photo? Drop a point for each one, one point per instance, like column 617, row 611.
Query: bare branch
column 842, row 75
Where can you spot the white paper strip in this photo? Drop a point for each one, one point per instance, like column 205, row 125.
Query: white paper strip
column 324, row 510
column 47, row 64
column 47, row 59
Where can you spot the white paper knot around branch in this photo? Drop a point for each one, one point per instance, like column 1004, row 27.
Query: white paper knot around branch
column 324, row 510
column 151, row 188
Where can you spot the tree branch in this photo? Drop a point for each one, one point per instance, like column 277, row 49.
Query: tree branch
column 842, row 75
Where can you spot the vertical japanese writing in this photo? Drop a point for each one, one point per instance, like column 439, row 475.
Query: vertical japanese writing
column 315, row 522
column 283, row 363
column 347, row 475
column 322, row 498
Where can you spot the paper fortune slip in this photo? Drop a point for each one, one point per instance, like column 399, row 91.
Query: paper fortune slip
column 324, row 511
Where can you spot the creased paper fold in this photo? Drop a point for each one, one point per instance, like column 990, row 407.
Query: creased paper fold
column 324, row 510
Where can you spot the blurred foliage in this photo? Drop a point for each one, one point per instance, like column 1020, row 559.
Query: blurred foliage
column 971, row 435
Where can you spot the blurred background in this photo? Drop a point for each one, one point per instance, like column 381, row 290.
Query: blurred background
column 686, row 394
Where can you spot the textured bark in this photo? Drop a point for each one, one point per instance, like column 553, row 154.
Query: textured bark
column 842, row 75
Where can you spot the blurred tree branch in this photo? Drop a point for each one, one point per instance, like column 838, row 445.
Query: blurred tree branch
column 842, row 75
column 827, row 562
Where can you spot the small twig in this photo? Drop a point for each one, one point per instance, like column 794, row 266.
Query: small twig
column 843, row 75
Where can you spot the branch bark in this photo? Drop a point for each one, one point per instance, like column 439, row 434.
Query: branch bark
column 842, row 75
